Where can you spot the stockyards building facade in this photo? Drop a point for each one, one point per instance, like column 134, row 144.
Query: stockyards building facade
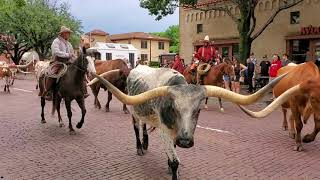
column 295, row 31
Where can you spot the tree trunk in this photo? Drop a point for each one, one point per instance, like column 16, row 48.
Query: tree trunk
column 244, row 48
column 244, row 33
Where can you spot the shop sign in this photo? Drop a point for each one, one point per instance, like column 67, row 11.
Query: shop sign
column 310, row 30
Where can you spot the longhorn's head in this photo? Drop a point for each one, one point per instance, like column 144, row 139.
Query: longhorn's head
column 182, row 111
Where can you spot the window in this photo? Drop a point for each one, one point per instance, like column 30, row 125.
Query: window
column 110, row 46
column 199, row 28
column 295, row 17
column 161, row 45
column 97, row 55
column 144, row 44
column 108, row 56
column 124, row 46
column 144, row 57
column 129, row 41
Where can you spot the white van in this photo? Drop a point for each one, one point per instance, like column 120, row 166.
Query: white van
column 111, row 51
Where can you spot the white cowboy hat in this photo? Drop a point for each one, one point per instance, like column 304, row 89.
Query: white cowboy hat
column 64, row 29
column 207, row 38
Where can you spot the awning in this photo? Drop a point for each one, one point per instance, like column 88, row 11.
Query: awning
column 297, row 37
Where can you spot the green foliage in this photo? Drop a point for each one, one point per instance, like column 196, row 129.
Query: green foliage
column 173, row 33
column 36, row 23
column 161, row 8
column 154, row 64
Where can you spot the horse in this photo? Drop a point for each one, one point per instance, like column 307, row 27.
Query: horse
column 213, row 77
column 69, row 87
column 118, row 79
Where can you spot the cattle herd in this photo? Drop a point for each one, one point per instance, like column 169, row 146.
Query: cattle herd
column 163, row 99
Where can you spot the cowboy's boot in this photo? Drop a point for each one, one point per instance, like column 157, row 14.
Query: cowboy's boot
column 46, row 93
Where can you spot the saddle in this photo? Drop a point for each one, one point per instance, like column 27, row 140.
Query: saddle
column 55, row 70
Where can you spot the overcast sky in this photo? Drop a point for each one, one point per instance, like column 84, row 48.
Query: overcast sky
column 118, row 16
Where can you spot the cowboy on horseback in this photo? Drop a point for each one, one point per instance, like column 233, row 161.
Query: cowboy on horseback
column 206, row 55
column 62, row 53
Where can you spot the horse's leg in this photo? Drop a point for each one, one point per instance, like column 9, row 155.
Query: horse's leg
column 145, row 139
column 58, row 111
column 136, row 128
column 82, row 106
column 108, row 103
column 69, row 112
column 220, row 105
column 206, row 104
column 43, row 103
column 95, row 92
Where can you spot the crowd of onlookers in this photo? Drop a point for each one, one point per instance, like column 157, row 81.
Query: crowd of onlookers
column 255, row 73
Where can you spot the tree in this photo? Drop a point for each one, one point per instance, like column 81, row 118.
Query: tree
column 36, row 24
column 246, row 21
column 172, row 33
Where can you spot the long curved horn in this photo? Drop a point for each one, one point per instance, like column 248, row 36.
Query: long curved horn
column 274, row 105
column 137, row 99
column 105, row 74
column 24, row 66
column 214, row 91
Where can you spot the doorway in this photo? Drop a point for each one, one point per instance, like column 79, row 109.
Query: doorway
column 131, row 60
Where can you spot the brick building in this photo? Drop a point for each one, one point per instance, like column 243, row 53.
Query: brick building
column 295, row 31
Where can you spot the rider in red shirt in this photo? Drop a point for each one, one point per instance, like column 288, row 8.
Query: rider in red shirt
column 206, row 53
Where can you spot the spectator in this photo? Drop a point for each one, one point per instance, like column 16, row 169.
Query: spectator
column 250, row 71
column 264, row 66
column 238, row 68
column 226, row 78
column 285, row 61
column 275, row 66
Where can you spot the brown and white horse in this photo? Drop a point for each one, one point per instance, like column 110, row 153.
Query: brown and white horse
column 212, row 77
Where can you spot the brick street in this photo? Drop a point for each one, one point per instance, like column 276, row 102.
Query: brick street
column 228, row 145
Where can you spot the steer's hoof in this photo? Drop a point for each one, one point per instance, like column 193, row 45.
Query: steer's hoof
column 126, row 111
column 284, row 128
column 79, row 125
column 140, row 152
column 61, row 125
column 205, row 107
column 221, row 110
column 308, row 138
column 298, row 148
column 72, row 132
column 292, row 135
column 145, row 146
column 43, row 121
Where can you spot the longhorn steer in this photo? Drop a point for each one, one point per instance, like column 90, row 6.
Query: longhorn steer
column 7, row 71
column 163, row 99
column 305, row 101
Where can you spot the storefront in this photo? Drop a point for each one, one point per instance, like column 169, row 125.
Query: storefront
column 305, row 46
